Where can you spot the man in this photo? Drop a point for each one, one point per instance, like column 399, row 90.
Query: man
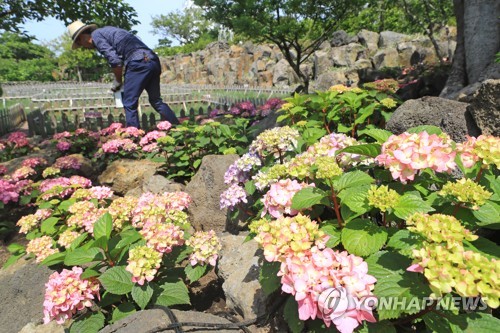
column 142, row 67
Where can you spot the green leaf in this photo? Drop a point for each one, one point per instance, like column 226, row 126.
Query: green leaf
column 64, row 206
column 129, row 236
column 158, row 159
column 378, row 134
column 173, row 294
column 117, row 280
column 12, row 259
column 362, row 237
column 48, row 225
column 83, row 256
column 368, row 149
column 437, row 323
column 383, row 326
column 488, row 215
column 103, row 227
column 334, row 235
column 89, row 272
column 250, row 187
column 291, row 314
column 196, row 272
column 16, row 248
column 409, row 204
column 25, row 199
column 356, row 198
column 54, row 259
column 268, row 277
column 425, row 128
column 394, row 283
column 485, row 246
column 142, row 294
column 88, row 323
column 475, row 322
column 404, row 242
column 308, row 197
column 122, row 311
column 352, row 179
column 78, row 241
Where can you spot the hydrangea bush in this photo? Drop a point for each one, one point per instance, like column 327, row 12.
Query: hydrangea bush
column 113, row 256
column 404, row 218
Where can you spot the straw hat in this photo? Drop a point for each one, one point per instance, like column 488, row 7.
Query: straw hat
column 76, row 28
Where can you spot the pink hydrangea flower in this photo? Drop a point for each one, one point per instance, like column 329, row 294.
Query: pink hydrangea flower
column 164, row 125
column 68, row 163
column 232, row 197
column 33, row 162
column 130, row 132
column 111, row 129
column 162, row 236
column 19, row 139
column 63, row 146
column 206, row 247
column 308, row 276
column 41, row 247
column 23, row 172
column 66, row 293
column 62, row 135
column 151, row 137
column 143, row 263
column 84, row 215
column 8, row 192
column 406, row 154
column 3, row 170
column 153, row 208
column 151, row 148
column 117, row 145
column 278, row 200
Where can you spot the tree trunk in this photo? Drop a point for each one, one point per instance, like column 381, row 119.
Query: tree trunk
column 478, row 40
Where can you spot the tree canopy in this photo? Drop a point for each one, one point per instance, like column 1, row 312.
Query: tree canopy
column 185, row 26
column 297, row 27
column 14, row 13
column 21, row 59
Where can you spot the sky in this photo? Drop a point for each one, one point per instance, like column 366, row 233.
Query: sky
column 51, row 28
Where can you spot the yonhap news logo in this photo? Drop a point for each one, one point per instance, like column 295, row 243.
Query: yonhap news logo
column 334, row 302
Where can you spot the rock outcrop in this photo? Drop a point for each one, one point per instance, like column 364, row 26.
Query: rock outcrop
column 451, row 116
column 264, row 65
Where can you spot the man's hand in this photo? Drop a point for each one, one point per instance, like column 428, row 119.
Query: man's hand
column 116, row 86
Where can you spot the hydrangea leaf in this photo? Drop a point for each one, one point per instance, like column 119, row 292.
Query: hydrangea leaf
column 117, row 280
column 362, row 237
column 291, row 314
column 173, row 294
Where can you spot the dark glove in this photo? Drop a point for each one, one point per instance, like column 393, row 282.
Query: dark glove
column 116, row 86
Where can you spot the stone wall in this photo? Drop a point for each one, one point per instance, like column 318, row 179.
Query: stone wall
column 338, row 60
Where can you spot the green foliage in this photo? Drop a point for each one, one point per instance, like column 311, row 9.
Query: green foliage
column 387, row 230
column 383, row 15
column 199, row 44
column 186, row 26
column 14, row 13
column 353, row 111
column 297, row 27
column 21, row 59
column 187, row 144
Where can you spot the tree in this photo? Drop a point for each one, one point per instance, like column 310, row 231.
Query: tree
column 297, row 27
column 80, row 64
column 21, row 59
column 185, row 26
column 13, row 13
column 478, row 41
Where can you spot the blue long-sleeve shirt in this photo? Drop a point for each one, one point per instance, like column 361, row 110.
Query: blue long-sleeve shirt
column 119, row 46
